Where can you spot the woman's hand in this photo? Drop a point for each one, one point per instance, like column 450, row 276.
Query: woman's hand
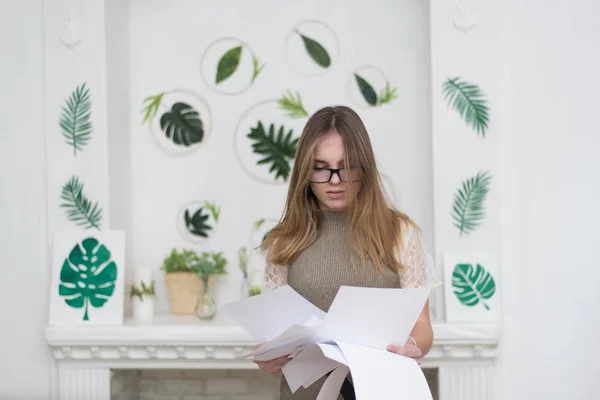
column 410, row 349
column 273, row 366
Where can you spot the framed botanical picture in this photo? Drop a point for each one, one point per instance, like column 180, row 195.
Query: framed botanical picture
column 471, row 287
column 87, row 285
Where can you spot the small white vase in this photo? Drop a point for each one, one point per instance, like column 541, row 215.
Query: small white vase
column 143, row 310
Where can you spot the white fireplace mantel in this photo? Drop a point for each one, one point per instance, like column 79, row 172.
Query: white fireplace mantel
column 464, row 354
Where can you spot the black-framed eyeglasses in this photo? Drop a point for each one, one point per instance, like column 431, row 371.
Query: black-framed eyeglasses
column 324, row 175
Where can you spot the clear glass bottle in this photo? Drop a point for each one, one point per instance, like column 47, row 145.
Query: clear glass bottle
column 206, row 308
column 245, row 289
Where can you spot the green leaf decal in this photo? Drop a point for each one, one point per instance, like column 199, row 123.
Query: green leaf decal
column 387, row 95
column 469, row 101
column 152, row 103
column 278, row 151
column 229, row 63
column 316, row 51
column 198, row 223
column 293, row 105
column 214, row 209
column 367, row 90
column 473, row 285
column 182, row 125
column 75, row 120
column 258, row 224
column 256, row 67
column 468, row 210
column 87, row 276
column 78, row 207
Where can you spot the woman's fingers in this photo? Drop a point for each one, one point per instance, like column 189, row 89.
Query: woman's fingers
column 411, row 351
column 273, row 366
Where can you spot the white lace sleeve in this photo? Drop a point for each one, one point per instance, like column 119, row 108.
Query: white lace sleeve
column 275, row 276
column 420, row 269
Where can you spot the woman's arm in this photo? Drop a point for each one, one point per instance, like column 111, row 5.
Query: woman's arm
column 275, row 276
column 418, row 272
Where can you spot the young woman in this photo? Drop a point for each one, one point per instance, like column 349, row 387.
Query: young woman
column 337, row 229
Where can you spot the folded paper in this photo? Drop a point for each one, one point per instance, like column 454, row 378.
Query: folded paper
column 352, row 337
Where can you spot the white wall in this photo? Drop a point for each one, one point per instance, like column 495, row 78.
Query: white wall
column 550, row 203
column 166, row 42
column 539, row 64
column 25, row 366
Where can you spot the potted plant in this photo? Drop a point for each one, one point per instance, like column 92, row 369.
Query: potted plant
column 208, row 266
column 143, row 294
column 183, row 285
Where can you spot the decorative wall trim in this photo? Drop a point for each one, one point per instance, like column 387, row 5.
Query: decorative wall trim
column 222, row 345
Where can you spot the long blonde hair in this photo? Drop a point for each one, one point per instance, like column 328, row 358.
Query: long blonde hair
column 375, row 227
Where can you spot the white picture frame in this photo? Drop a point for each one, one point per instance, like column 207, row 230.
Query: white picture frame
column 471, row 287
column 88, row 278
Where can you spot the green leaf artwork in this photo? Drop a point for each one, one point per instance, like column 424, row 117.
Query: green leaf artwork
column 468, row 207
column 79, row 208
column 366, row 90
column 143, row 291
column 228, row 64
column 214, row 209
column 469, row 101
column 75, row 119
column 197, row 224
column 256, row 67
column 151, row 105
column 370, row 95
column 278, row 151
column 258, row 224
column 387, row 95
column 316, row 51
column 182, row 125
column 87, row 276
column 293, row 105
column 473, row 285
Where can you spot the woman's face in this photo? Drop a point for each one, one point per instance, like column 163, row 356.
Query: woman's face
column 332, row 194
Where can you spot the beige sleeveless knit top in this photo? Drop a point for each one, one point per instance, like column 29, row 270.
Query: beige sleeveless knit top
column 319, row 271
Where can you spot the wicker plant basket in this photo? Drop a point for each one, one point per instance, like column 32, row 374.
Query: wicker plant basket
column 184, row 289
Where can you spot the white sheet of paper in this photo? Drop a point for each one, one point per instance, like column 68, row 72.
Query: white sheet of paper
column 308, row 366
column 372, row 317
column 287, row 343
column 382, row 375
column 333, row 353
column 271, row 313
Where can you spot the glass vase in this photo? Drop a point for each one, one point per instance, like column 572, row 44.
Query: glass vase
column 245, row 289
column 206, row 308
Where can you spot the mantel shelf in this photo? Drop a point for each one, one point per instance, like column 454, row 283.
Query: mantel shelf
column 174, row 341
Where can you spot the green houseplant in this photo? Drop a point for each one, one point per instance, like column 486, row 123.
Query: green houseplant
column 208, row 265
column 183, row 285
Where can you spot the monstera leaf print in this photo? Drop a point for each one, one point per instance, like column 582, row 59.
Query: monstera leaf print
column 473, row 285
column 87, row 277
column 182, row 124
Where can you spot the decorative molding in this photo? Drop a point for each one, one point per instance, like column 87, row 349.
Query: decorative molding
column 223, row 345
column 85, row 355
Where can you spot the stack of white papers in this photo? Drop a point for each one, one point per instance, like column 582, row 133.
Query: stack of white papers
column 353, row 336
